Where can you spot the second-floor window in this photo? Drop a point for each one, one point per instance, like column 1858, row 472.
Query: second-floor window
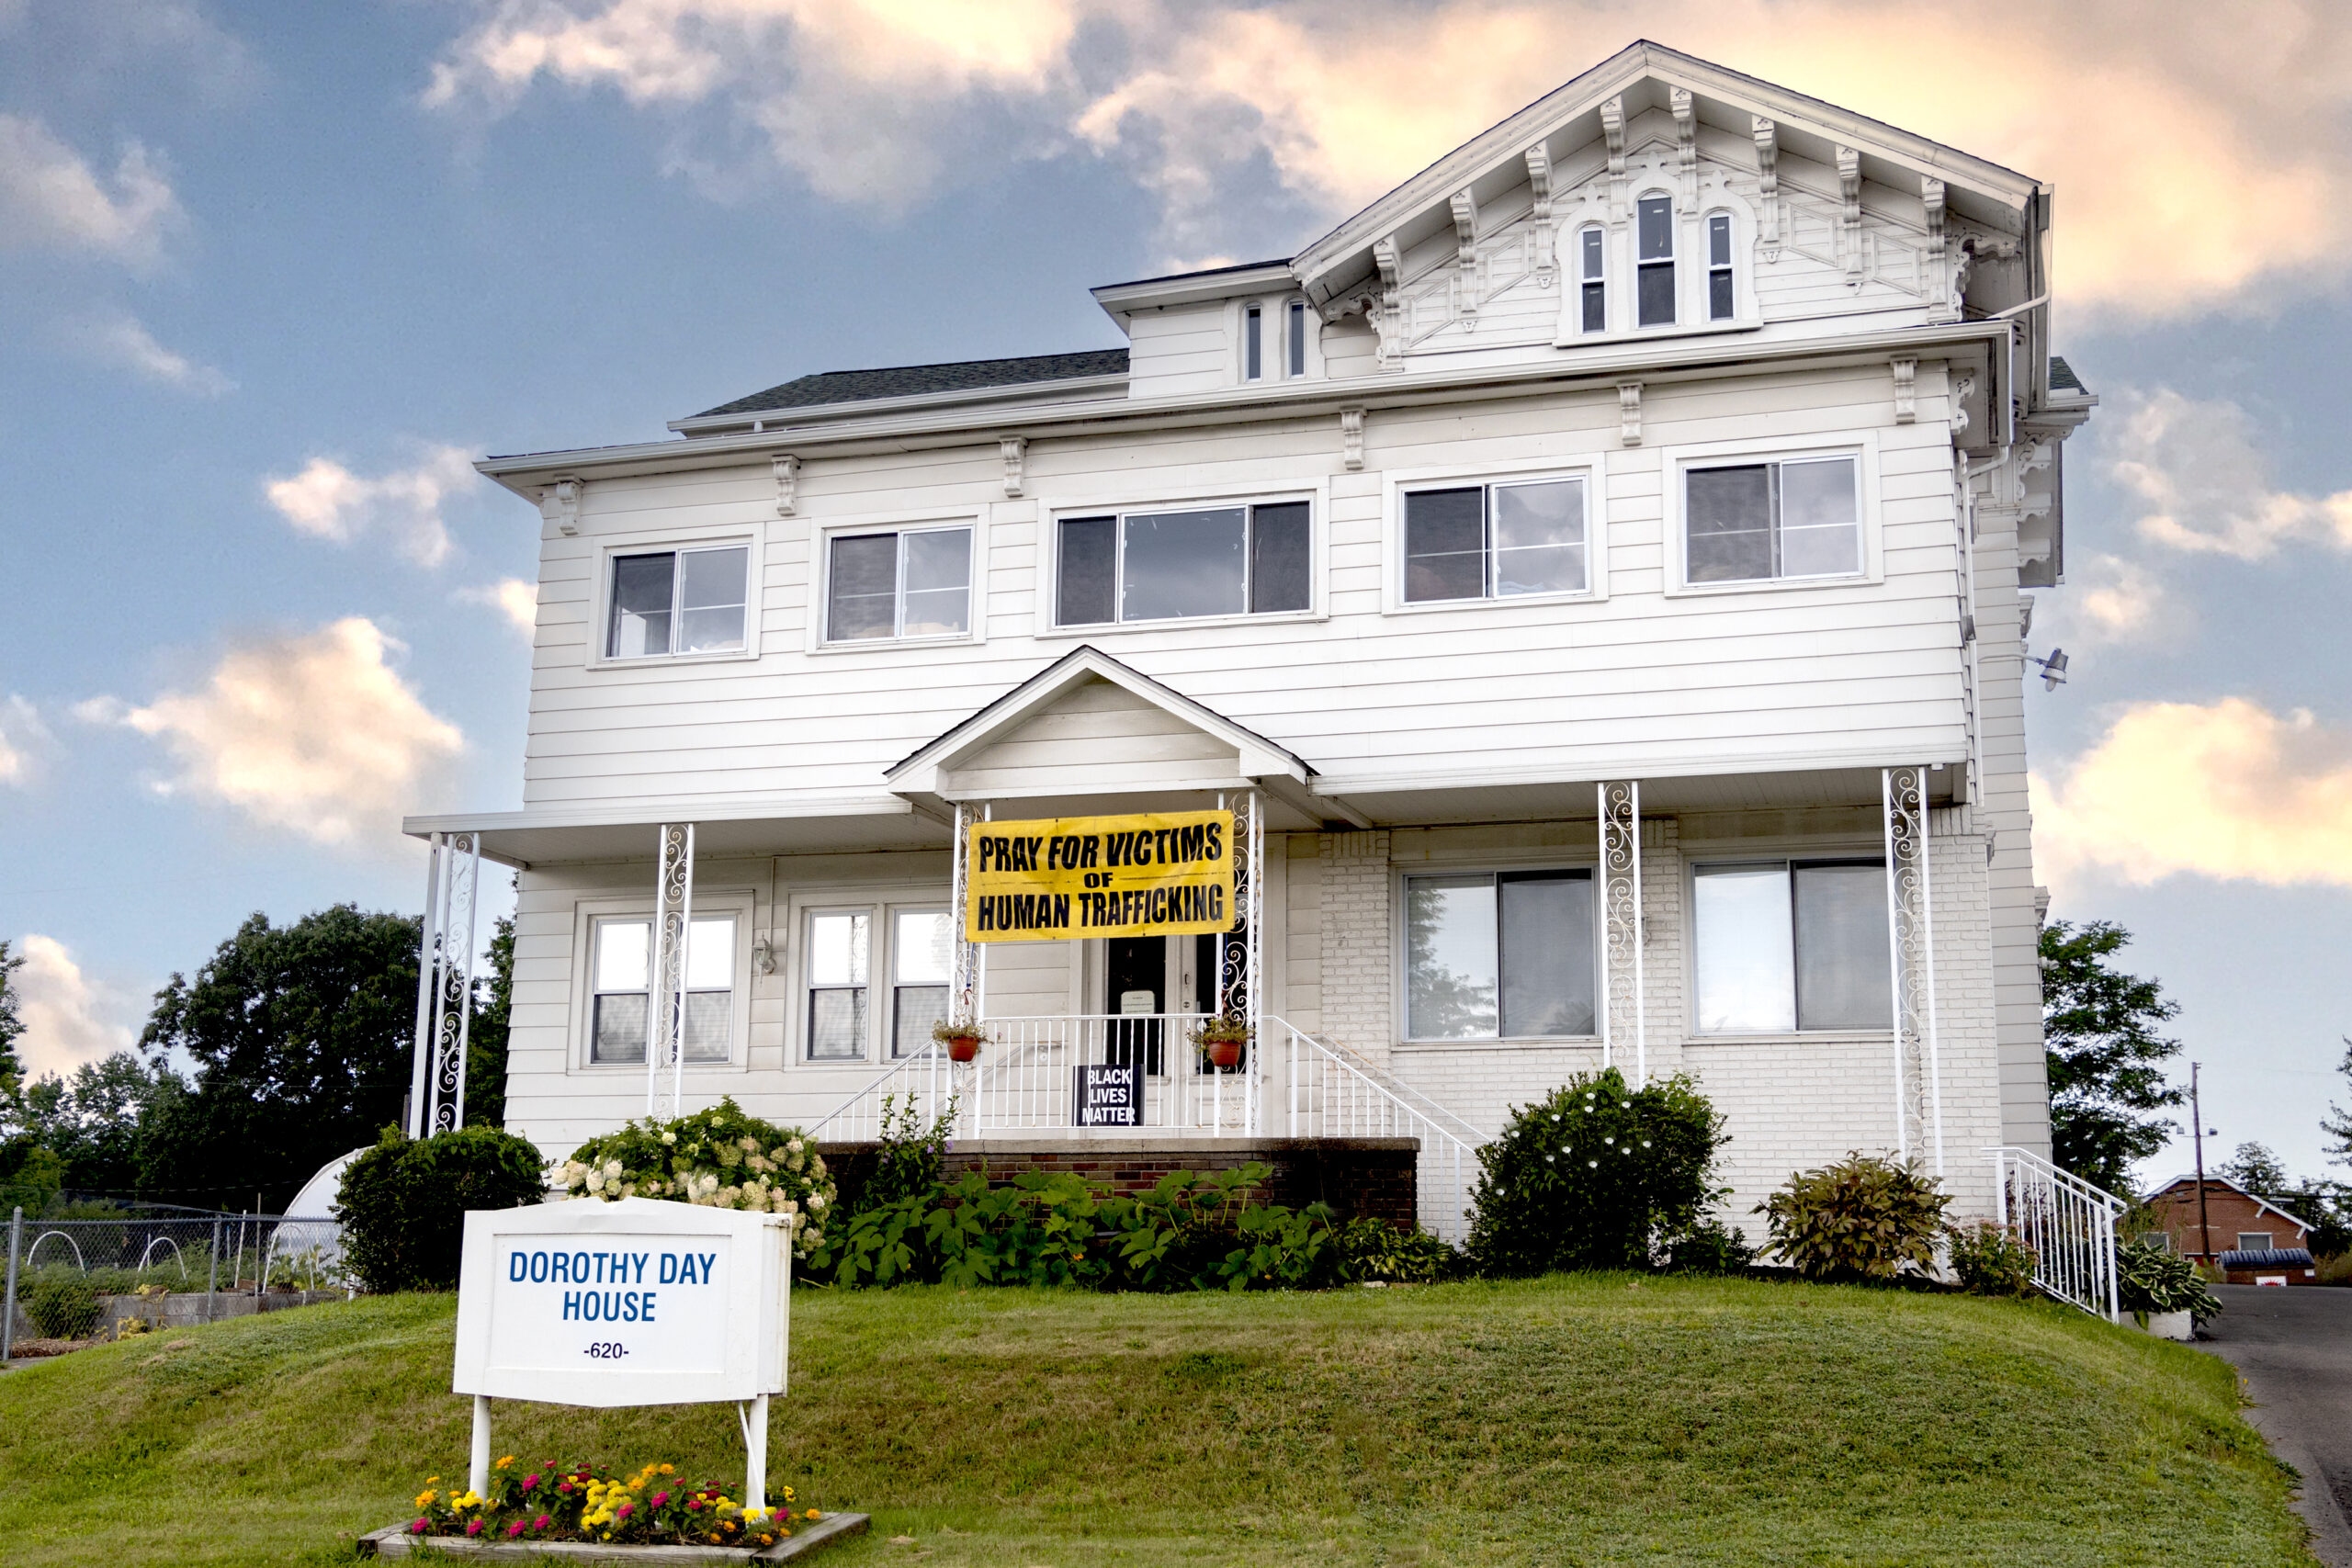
column 1758, row 522
column 1592, row 271
column 1294, row 337
column 1160, row 565
column 1719, row 288
column 670, row 601
column 1496, row 541
column 905, row 582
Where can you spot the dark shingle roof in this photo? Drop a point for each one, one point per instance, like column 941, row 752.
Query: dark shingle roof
column 2062, row 376
column 913, row 380
column 2272, row 1257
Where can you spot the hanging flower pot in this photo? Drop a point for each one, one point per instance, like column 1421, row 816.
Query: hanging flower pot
column 1223, row 1052
column 1220, row 1041
column 962, row 1037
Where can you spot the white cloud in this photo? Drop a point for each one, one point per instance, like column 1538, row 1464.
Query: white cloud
column 68, row 1019
column 122, row 341
column 2228, row 790
column 52, row 197
column 2111, row 600
column 328, row 500
column 870, row 100
column 511, row 596
column 314, row 733
column 24, row 740
column 2206, row 484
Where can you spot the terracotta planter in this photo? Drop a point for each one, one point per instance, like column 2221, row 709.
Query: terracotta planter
column 963, row 1047
column 1222, row 1052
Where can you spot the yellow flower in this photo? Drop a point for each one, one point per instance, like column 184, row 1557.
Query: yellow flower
column 813, row 1514
column 669, row 1470
column 505, row 1462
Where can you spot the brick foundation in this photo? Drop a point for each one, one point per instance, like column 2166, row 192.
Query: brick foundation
column 1371, row 1177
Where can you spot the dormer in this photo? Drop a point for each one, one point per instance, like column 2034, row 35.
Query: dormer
column 1226, row 328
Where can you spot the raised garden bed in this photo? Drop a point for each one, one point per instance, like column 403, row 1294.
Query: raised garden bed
column 395, row 1540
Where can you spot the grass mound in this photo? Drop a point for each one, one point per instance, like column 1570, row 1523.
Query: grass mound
column 1587, row 1419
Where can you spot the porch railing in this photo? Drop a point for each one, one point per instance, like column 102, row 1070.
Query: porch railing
column 1026, row 1078
column 2069, row 1224
column 1329, row 1091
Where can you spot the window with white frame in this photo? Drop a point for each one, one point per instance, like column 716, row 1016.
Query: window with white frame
column 1294, row 337
column 1654, row 261
column 1764, row 522
column 620, row 982
column 1593, row 278
column 1794, row 944
column 1156, row 566
column 2255, row 1241
column 838, row 956
column 1720, row 297
column 900, row 582
column 921, row 953
column 1499, row 955
column 1253, row 344
column 1496, row 541
column 673, row 602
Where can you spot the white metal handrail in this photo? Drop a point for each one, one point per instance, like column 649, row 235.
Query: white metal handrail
column 924, row 1081
column 1333, row 1093
column 2068, row 1222
column 1026, row 1078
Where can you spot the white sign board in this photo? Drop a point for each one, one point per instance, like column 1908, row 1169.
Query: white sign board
column 641, row 1301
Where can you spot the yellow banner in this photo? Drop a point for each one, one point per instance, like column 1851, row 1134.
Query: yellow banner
column 1159, row 873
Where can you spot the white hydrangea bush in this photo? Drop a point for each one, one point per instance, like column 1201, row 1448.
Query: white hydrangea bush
column 720, row 1159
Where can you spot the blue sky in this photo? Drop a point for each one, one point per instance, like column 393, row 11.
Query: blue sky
column 270, row 273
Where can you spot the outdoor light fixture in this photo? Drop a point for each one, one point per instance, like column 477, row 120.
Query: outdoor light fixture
column 2053, row 669
column 762, row 955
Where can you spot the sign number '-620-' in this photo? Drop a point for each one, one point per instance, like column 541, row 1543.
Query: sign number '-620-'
column 608, row 1350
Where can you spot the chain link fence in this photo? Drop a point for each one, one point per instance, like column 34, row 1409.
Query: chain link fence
column 151, row 1266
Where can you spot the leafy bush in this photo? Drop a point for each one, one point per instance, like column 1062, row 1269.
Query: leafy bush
column 403, row 1202
column 1374, row 1249
column 1707, row 1248
column 63, row 1303
column 1598, row 1176
column 1991, row 1259
column 2154, row 1278
column 1864, row 1218
column 720, row 1159
column 1198, row 1231
column 913, row 1156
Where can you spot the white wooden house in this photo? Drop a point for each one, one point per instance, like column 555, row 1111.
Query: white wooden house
column 1592, row 574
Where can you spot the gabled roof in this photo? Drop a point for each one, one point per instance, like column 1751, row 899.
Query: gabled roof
column 915, row 380
column 1643, row 75
column 2189, row 1179
column 1260, row 758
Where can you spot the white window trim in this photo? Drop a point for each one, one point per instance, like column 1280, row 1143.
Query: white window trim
column 1051, row 511
column 1274, row 322
column 1862, row 446
column 1487, row 865
column 879, row 902
column 739, row 902
column 1759, row 852
column 608, row 547
column 1622, row 246
column 1396, row 483
column 819, row 639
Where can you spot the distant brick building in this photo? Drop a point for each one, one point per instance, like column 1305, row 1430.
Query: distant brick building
column 2235, row 1229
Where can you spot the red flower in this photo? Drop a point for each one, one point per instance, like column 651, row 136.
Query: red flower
column 540, row 1523
column 693, row 1503
column 419, row 1528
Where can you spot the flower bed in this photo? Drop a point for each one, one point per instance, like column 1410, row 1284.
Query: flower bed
column 586, row 1503
column 720, row 1159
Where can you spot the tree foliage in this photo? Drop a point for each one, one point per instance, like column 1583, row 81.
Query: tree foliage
column 96, row 1120
column 2105, row 1059
column 403, row 1202
column 486, row 1032
column 12, row 1071
column 302, row 1035
column 2336, row 1125
column 2256, row 1170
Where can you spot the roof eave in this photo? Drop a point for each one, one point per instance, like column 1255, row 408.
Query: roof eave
column 1122, row 300
column 774, row 420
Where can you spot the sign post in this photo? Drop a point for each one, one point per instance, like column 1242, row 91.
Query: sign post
column 640, row 1301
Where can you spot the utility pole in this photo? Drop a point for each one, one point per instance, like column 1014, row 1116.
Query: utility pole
column 2197, row 1136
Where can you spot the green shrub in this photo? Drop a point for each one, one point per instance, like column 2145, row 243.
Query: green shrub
column 720, row 1159
column 1198, row 1231
column 1991, row 1259
column 1864, row 1218
column 63, row 1303
column 1707, row 1248
column 913, row 1156
column 403, row 1202
column 1374, row 1249
column 1598, row 1176
column 2154, row 1278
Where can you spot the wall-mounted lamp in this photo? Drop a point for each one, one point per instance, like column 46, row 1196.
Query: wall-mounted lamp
column 762, row 955
column 2053, row 669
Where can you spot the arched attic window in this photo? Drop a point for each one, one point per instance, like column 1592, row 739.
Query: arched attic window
column 1722, row 297
column 1654, row 261
column 1592, row 274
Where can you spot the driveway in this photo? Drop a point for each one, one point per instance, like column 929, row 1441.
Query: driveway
column 2293, row 1348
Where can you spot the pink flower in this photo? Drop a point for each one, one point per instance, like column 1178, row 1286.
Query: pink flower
column 474, row 1528
column 514, row 1529
column 626, row 1510
column 540, row 1523
column 419, row 1528
column 530, row 1481
column 660, row 1499
column 693, row 1503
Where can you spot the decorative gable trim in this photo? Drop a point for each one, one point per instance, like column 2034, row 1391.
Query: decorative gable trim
column 1261, row 760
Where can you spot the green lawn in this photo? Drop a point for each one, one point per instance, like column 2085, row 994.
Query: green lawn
column 1574, row 1420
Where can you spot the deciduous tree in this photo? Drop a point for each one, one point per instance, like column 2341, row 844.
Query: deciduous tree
column 2105, row 1059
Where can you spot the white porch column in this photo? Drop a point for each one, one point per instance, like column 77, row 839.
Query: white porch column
column 1625, row 1008
column 445, row 988
column 1911, row 942
column 665, row 1012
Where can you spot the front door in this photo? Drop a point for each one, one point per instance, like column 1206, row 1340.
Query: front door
column 1136, row 982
